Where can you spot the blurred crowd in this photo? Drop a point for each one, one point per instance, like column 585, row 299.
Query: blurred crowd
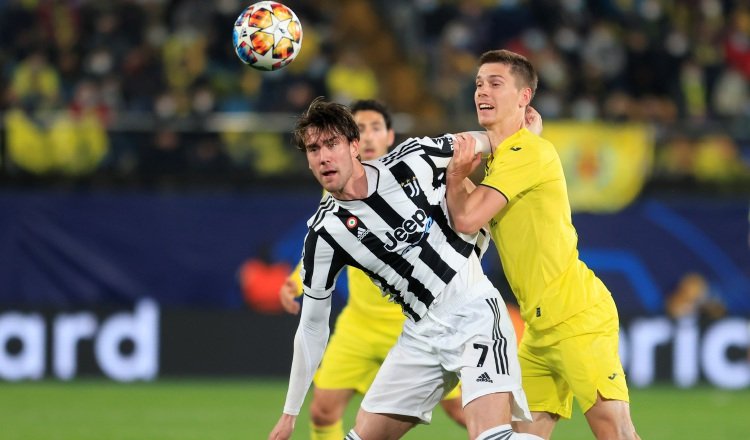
column 146, row 89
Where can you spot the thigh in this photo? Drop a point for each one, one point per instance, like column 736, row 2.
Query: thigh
column 591, row 365
column 546, row 390
column 375, row 426
column 487, row 411
column 410, row 382
column 611, row 419
column 488, row 360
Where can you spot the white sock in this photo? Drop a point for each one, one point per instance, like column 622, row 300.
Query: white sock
column 352, row 436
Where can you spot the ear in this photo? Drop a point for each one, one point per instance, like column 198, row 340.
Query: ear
column 354, row 148
column 391, row 137
column 525, row 97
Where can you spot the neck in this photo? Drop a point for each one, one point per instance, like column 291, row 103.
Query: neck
column 504, row 129
column 356, row 187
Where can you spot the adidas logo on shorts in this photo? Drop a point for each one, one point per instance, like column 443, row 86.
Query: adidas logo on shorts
column 484, row 377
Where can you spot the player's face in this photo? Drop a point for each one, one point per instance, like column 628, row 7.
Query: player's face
column 331, row 158
column 374, row 137
column 497, row 96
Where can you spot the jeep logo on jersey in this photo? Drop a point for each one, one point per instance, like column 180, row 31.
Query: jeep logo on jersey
column 411, row 226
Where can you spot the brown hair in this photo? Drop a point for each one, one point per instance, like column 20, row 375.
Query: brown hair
column 325, row 116
column 373, row 105
column 520, row 67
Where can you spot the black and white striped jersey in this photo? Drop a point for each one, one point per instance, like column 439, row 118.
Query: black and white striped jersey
column 399, row 235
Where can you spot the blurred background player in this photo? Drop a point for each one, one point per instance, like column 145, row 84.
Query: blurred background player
column 570, row 346
column 368, row 325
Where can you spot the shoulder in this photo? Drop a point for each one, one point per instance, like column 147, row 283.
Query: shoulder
column 326, row 207
column 527, row 144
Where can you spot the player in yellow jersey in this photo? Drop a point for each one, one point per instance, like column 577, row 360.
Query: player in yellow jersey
column 570, row 345
column 368, row 326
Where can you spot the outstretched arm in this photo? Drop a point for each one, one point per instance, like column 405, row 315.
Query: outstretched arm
column 309, row 344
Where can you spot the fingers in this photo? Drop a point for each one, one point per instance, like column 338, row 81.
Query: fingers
column 533, row 120
column 289, row 304
column 287, row 296
column 463, row 149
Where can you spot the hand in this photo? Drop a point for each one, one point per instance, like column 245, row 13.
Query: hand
column 464, row 161
column 533, row 120
column 284, row 428
column 287, row 296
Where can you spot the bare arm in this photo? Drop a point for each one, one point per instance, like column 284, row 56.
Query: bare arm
column 469, row 210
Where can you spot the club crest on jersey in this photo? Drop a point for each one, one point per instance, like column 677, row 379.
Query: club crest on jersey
column 411, row 187
column 411, row 230
column 352, row 222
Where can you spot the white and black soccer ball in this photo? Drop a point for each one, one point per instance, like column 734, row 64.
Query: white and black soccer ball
column 267, row 35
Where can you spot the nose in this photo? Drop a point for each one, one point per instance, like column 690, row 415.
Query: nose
column 364, row 136
column 325, row 155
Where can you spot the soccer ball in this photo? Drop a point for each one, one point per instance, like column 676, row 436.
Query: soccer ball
column 267, row 35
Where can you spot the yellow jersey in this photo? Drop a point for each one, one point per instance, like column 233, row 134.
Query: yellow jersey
column 534, row 233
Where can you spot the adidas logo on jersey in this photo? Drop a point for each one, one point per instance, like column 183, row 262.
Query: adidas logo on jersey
column 484, row 377
column 361, row 233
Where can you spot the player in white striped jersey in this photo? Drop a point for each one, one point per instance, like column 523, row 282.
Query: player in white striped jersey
column 389, row 218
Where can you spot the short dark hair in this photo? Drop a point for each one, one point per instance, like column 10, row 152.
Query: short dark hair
column 325, row 116
column 374, row 105
column 520, row 67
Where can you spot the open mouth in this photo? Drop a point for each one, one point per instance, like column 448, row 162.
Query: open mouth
column 482, row 107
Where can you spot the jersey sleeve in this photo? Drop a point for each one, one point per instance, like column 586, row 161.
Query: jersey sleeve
column 514, row 170
column 483, row 241
column 296, row 273
column 309, row 344
column 439, row 150
column 321, row 265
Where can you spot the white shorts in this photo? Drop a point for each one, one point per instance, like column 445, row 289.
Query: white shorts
column 468, row 337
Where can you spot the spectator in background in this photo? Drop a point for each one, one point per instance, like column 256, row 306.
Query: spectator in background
column 618, row 61
column 692, row 297
column 35, row 83
column 350, row 78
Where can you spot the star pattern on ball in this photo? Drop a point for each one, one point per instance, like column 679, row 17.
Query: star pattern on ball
column 267, row 36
